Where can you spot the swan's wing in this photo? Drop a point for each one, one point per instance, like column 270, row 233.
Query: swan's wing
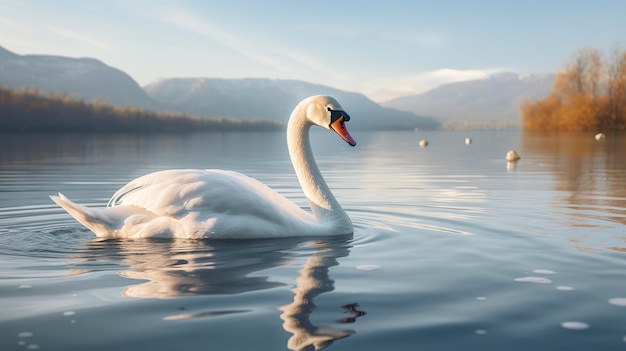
column 206, row 193
column 163, row 190
column 119, row 195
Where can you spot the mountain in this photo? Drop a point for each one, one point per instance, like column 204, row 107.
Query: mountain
column 90, row 79
column 84, row 78
column 273, row 99
column 493, row 99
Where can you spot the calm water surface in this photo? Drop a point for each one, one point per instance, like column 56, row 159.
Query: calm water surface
column 454, row 249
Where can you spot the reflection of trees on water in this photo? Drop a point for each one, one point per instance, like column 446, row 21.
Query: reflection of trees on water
column 179, row 268
column 108, row 149
column 589, row 174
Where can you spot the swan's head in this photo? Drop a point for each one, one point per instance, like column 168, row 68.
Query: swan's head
column 327, row 113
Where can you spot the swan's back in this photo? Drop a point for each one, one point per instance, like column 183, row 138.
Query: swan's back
column 225, row 202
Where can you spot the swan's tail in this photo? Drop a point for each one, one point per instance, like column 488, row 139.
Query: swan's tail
column 93, row 219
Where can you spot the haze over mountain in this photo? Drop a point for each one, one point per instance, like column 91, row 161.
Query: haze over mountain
column 90, row 79
column 86, row 78
column 494, row 99
column 273, row 99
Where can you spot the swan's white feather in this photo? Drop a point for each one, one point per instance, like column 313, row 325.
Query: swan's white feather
column 116, row 221
column 214, row 204
column 191, row 203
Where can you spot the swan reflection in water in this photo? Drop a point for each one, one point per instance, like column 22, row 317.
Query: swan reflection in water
column 178, row 268
column 314, row 280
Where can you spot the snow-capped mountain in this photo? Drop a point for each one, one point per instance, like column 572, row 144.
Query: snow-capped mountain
column 495, row 98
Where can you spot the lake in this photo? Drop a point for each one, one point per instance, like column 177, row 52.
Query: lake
column 453, row 247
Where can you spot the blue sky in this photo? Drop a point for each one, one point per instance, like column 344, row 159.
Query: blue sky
column 383, row 49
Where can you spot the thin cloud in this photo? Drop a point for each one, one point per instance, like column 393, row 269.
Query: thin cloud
column 12, row 34
column 83, row 40
column 448, row 75
column 422, row 82
column 9, row 24
column 192, row 23
column 313, row 65
column 275, row 56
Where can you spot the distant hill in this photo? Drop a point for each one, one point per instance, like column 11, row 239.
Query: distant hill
column 29, row 111
column 90, row 79
column 483, row 101
column 273, row 99
column 85, row 78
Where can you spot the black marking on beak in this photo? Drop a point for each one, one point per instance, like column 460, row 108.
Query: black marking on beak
column 336, row 114
column 338, row 124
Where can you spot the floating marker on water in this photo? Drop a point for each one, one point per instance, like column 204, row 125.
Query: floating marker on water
column 423, row 143
column 600, row 136
column 468, row 141
column 512, row 156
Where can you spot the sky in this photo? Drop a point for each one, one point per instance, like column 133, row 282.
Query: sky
column 383, row 49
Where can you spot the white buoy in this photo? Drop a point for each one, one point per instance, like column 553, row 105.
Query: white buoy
column 423, row 143
column 512, row 156
column 468, row 141
column 600, row 136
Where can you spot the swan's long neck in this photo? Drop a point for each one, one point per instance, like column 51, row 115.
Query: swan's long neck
column 323, row 203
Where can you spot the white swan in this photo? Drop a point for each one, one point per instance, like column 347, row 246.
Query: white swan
column 227, row 205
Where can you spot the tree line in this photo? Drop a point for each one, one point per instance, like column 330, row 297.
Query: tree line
column 29, row 110
column 588, row 95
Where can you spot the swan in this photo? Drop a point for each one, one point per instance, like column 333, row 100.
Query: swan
column 219, row 204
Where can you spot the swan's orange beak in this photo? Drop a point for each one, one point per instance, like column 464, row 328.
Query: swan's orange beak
column 339, row 126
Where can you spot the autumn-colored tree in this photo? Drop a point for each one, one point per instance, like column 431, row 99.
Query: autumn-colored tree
column 588, row 95
column 615, row 114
